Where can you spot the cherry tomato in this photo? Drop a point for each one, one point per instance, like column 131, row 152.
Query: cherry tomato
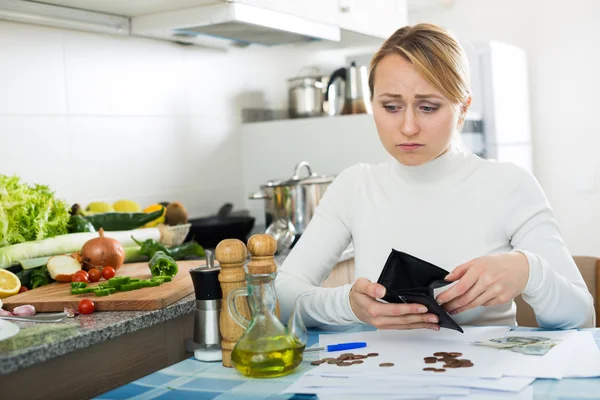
column 23, row 289
column 108, row 272
column 79, row 278
column 86, row 306
column 84, row 273
column 94, row 275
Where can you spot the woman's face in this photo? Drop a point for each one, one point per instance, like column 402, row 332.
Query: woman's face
column 414, row 120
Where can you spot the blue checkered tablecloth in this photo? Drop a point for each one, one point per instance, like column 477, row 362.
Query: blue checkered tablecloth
column 192, row 379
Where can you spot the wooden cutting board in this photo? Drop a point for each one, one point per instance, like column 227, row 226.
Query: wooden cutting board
column 56, row 296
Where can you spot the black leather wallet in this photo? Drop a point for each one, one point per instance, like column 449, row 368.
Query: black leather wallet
column 408, row 279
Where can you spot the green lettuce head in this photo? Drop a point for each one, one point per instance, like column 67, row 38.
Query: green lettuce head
column 29, row 212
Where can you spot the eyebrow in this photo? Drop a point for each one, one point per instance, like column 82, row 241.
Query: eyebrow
column 417, row 96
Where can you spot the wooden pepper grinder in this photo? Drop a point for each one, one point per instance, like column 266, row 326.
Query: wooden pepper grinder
column 262, row 248
column 231, row 254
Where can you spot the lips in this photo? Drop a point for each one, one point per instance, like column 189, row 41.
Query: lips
column 410, row 146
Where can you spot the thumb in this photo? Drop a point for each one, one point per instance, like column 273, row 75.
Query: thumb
column 366, row 287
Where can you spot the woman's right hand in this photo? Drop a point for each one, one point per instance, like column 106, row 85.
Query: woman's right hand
column 387, row 315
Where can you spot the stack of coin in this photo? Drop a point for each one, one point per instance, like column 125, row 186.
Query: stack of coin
column 450, row 360
column 345, row 360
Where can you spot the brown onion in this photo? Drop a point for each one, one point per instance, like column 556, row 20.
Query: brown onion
column 102, row 252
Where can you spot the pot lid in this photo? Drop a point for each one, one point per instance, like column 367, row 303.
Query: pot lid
column 312, row 178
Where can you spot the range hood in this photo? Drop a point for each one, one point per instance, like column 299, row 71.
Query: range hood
column 235, row 23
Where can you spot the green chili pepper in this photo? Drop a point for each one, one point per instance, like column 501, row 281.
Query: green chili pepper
column 162, row 278
column 118, row 280
column 81, row 290
column 151, row 283
column 130, row 286
column 77, row 223
column 102, row 292
column 78, row 285
column 151, row 246
column 162, row 265
column 117, row 221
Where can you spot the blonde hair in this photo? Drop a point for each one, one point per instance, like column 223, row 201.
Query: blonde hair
column 435, row 54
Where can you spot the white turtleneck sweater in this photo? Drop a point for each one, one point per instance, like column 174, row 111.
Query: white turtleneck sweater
column 448, row 211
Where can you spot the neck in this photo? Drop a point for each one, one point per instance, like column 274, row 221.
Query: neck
column 432, row 171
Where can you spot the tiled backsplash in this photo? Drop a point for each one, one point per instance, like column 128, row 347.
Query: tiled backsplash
column 99, row 118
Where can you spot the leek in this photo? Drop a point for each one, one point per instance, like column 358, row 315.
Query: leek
column 65, row 244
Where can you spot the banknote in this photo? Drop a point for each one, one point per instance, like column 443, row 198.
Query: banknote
column 530, row 345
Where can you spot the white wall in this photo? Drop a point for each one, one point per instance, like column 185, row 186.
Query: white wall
column 100, row 117
column 562, row 39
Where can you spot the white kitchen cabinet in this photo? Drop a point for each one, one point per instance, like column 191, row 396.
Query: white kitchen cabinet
column 379, row 18
column 324, row 11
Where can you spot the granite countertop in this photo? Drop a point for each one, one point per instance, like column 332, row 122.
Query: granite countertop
column 39, row 342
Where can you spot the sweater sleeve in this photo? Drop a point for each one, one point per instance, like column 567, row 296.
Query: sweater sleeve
column 555, row 290
column 314, row 256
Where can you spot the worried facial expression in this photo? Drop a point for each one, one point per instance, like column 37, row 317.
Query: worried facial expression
column 415, row 121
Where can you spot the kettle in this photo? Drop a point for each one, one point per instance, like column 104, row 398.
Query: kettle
column 357, row 96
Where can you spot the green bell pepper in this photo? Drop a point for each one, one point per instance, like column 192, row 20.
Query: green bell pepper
column 77, row 223
column 162, row 264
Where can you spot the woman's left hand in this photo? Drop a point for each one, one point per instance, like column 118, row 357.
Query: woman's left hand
column 486, row 281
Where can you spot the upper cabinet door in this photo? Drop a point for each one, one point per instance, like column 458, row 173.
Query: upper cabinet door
column 323, row 11
column 378, row 18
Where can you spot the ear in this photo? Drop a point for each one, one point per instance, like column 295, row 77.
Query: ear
column 464, row 108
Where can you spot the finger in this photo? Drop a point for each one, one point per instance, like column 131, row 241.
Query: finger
column 405, row 320
column 482, row 299
column 463, row 285
column 364, row 286
column 377, row 309
column 477, row 289
column 433, row 327
column 459, row 271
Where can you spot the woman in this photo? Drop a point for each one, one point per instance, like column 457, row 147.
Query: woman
column 489, row 223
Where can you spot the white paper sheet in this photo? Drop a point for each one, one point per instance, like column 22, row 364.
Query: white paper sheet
column 576, row 356
column 525, row 394
column 392, row 385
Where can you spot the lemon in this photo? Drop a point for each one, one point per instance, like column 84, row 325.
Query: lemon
column 9, row 283
column 127, row 206
column 99, row 207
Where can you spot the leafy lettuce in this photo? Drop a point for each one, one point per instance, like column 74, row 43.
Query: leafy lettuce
column 29, row 212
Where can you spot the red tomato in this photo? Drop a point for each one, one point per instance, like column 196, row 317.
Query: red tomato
column 79, row 278
column 94, row 275
column 86, row 306
column 84, row 273
column 23, row 289
column 108, row 272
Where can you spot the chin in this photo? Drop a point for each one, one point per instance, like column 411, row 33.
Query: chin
column 412, row 160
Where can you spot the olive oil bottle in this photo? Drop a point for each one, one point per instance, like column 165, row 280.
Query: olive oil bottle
column 268, row 357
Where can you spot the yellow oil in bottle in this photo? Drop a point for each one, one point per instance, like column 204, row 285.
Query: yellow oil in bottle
column 267, row 358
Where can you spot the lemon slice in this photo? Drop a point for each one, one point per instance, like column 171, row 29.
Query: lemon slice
column 9, row 283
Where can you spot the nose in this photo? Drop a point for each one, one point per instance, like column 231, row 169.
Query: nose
column 409, row 125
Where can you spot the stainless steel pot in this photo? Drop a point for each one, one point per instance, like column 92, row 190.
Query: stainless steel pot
column 294, row 200
column 306, row 96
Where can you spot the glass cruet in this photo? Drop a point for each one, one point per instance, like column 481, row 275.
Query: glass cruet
column 267, row 348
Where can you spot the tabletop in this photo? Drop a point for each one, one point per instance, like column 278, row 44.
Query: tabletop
column 192, row 379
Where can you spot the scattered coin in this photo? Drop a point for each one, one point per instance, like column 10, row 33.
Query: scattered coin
column 386, row 364
column 429, row 369
column 317, row 362
column 347, row 355
column 440, row 370
column 430, row 358
column 357, row 362
column 334, row 361
column 441, row 359
column 372, row 354
column 440, row 354
column 344, row 364
column 430, row 361
column 453, row 354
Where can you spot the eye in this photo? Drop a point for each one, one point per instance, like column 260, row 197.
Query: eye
column 429, row 109
column 390, row 108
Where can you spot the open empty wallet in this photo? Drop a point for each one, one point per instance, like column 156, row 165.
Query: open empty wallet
column 408, row 279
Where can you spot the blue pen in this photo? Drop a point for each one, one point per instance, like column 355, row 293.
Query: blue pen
column 339, row 347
